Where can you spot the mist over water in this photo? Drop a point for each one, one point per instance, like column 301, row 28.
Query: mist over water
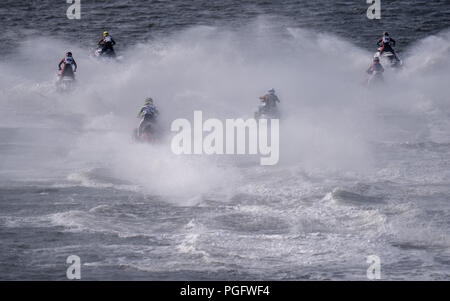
column 363, row 170
column 329, row 118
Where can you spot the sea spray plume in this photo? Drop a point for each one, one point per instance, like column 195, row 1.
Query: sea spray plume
column 329, row 121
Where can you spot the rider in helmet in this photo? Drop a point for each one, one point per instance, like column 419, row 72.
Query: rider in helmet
column 270, row 99
column 148, row 113
column 67, row 69
column 269, row 104
column 375, row 66
column 386, row 43
column 107, row 43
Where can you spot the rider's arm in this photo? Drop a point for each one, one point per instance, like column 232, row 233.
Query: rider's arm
column 60, row 63
column 101, row 41
column 379, row 41
column 75, row 64
column 393, row 42
column 140, row 112
column 113, row 42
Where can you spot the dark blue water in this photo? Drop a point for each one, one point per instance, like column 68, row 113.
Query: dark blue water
column 137, row 21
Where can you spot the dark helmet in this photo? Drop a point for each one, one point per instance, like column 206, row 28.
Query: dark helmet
column 386, row 33
column 69, row 53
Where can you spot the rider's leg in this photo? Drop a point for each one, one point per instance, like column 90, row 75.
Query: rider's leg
column 141, row 127
column 67, row 72
column 390, row 49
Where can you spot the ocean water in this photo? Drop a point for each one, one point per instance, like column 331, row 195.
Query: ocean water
column 362, row 171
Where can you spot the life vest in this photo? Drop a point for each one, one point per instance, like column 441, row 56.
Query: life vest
column 148, row 110
column 68, row 60
column 386, row 40
column 107, row 39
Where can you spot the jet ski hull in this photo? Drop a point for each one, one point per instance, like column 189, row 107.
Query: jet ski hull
column 65, row 83
column 264, row 113
column 105, row 54
column 148, row 134
column 387, row 58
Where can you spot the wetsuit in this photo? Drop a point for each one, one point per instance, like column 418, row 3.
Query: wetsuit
column 107, row 44
column 148, row 113
column 270, row 101
column 385, row 44
column 67, row 69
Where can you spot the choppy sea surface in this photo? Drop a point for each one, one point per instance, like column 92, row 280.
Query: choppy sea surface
column 362, row 171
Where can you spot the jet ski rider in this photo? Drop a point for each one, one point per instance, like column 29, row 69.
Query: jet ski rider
column 107, row 42
column 148, row 113
column 270, row 100
column 375, row 66
column 385, row 44
column 67, row 69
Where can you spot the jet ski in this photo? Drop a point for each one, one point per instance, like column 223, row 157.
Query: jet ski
column 388, row 58
column 264, row 112
column 148, row 134
column 107, row 54
column 65, row 83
